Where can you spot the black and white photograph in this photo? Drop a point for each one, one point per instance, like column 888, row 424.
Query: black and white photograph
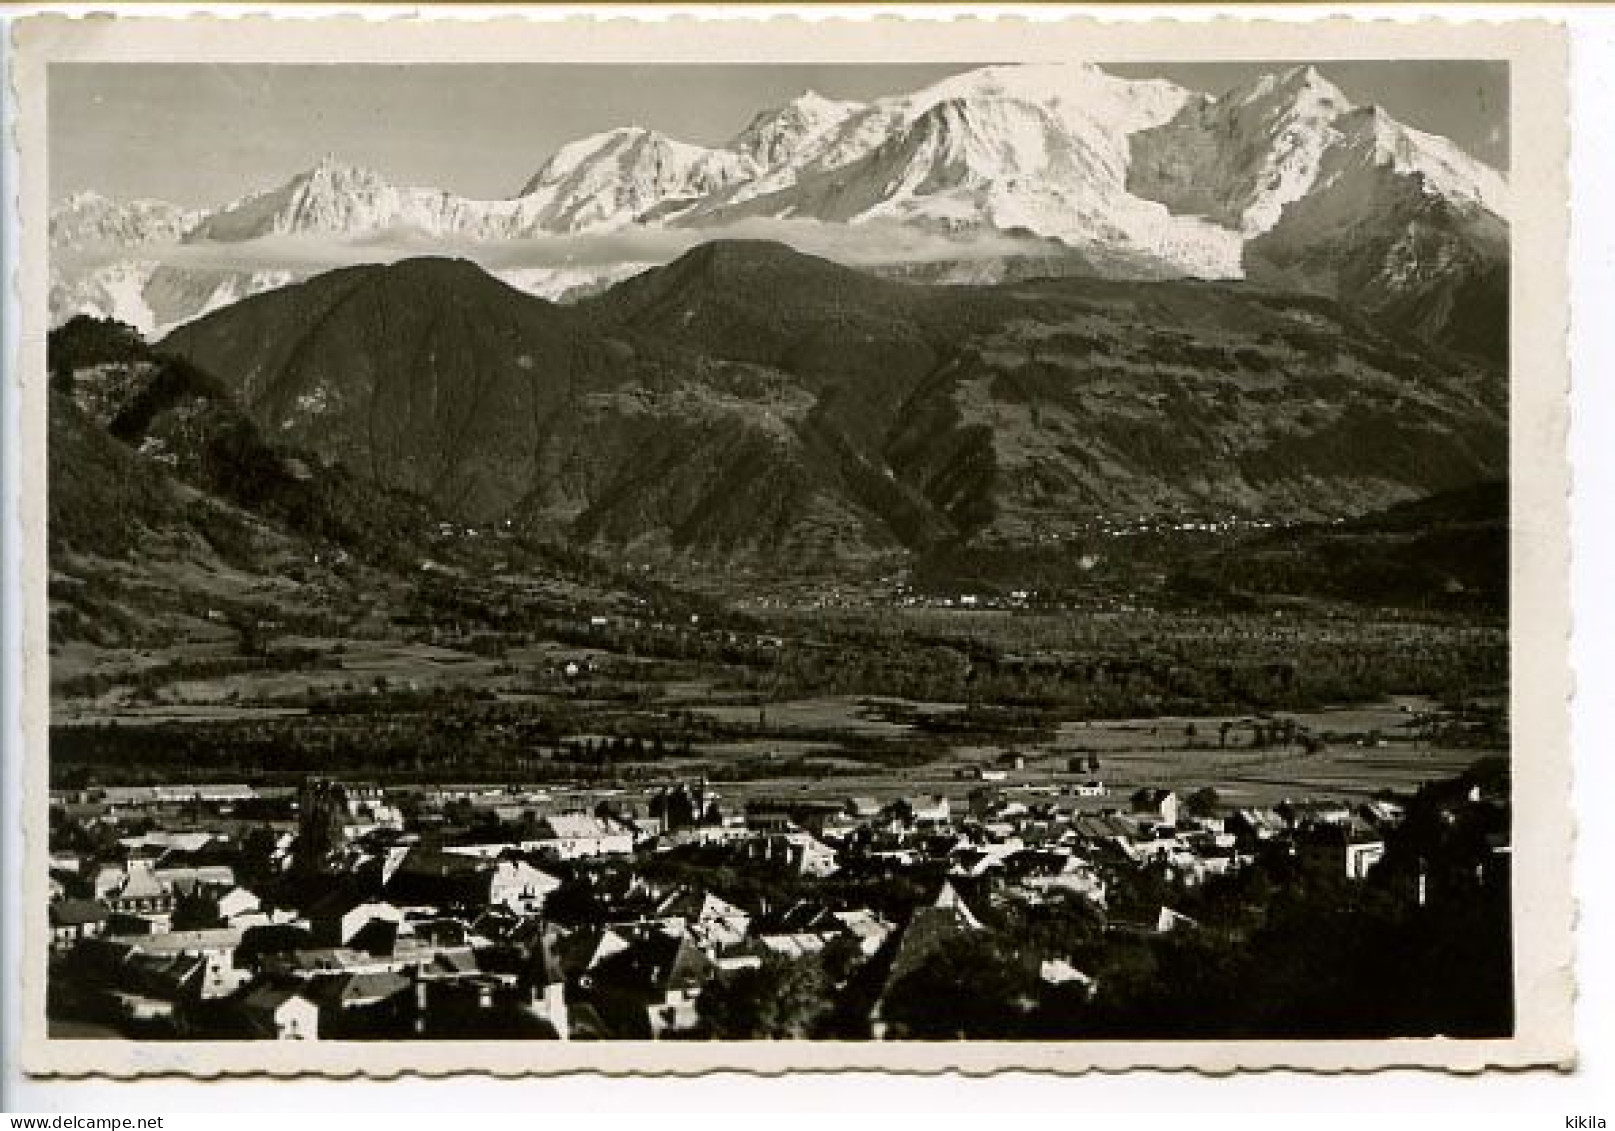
column 1005, row 551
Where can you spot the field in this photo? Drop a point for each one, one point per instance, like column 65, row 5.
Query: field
column 481, row 681
column 1152, row 752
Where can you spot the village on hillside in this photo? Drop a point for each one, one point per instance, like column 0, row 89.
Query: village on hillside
column 347, row 910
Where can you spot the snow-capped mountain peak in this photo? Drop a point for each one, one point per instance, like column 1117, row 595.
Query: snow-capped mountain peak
column 618, row 177
column 964, row 142
column 1302, row 86
column 811, row 103
column 1134, row 176
column 330, row 198
column 1069, row 89
column 776, row 137
column 1242, row 159
column 88, row 219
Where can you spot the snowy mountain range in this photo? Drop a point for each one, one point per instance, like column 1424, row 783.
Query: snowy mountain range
column 1283, row 179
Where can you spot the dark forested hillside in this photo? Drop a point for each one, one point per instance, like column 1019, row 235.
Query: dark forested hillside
column 1447, row 551
column 750, row 398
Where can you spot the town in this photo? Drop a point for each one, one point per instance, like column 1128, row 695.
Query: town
column 1002, row 907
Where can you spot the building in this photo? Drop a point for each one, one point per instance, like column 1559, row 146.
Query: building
column 279, row 1013
column 919, row 811
column 75, row 919
column 1158, row 805
column 340, row 916
column 929, row 928
column 685, row 806
column 573, row 835
column 1342, row 849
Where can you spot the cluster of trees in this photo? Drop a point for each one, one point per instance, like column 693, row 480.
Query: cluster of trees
column 1134, row 665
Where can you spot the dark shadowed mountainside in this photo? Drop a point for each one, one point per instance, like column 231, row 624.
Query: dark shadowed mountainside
column 186, row 426
column 748, row 398
column 1446, row 551
column 168, row 507
column 1423, row 265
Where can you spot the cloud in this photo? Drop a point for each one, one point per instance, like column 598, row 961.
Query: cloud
column 865, row 244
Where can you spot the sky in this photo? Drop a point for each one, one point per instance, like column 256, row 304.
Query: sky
column 205, row 134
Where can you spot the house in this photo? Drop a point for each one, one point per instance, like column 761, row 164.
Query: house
column 133, row 888
column 336, row 993
column 685, row 806
column 1342, row 849
column 974, row 862
column 154, row 844
column 1381, row 814
column 799, row 853
column 1107, row 828
column 1059, row 972
column 150, row 987
column 865, row 928
column 807, row 927
column 517, row 885
column 75, row 919
column 573, row 835
column 545, row 979
column 1158, row 805
column 799, row 945
column 185, row 879
column 1046, row 871
column 929, row 928
column 774, row 816
column 67, row 863
column 465, row 876
column 280, row 1013
column 711, row 923
column 582, row 952
column 1169, row 920
column 923, row 810
column 1309, row 814
column 220, row 906
column 237, row 904
column 312, row 961
column 1256, row 824
column 209, row 954
column 651, row 988
column 337, row 918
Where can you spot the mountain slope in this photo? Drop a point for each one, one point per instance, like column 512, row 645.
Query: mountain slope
column 391, row 367
column 1344, row 201
column 747, row 398
column 183, row 423
column 173, row 519
column 436, row 378
column 616, row 178
column 88, row 219
column 169, row 517
column 1447, row 551
column 1429, row 262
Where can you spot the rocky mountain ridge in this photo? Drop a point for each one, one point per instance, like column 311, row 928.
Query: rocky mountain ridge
column 1136, row 179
